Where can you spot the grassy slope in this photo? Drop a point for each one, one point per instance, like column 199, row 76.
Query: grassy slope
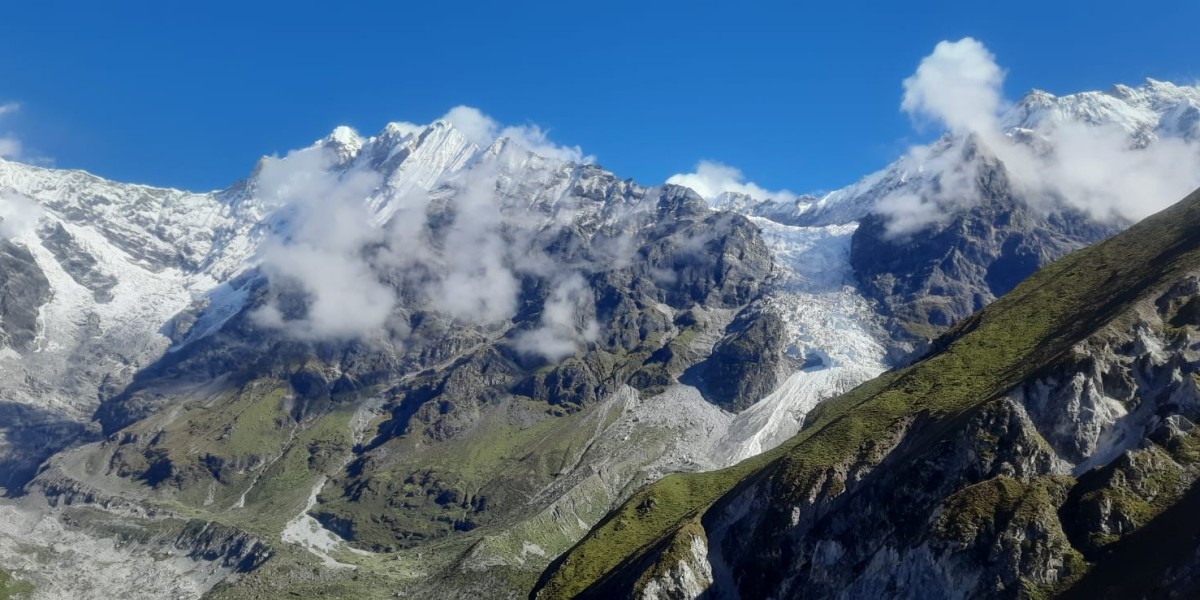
column 247, row 427
column 1141, row 561
column 13, row 588
column 252, row 426
column 989, row 353
column 494, row 451
column 496, row 456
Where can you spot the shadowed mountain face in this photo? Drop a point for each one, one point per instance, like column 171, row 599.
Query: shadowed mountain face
column 31, row 441
column 926, row 281
column 23, row 290
column 1049, row 438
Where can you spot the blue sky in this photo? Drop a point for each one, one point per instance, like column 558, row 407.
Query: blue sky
column 804, row 98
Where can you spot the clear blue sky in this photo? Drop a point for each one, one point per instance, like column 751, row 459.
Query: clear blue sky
column 190, row 95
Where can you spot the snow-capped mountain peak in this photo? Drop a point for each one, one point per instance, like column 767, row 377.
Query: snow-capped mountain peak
column 344, row 141
column 1143, row 115
column 1155, row 109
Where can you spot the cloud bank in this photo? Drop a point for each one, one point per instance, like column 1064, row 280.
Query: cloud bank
column 1099, row 169
column 320, row 251
column 482, row 130
column 711, row 179
column 456, row 248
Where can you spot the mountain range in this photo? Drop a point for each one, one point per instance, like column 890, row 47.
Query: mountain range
column 426, row 362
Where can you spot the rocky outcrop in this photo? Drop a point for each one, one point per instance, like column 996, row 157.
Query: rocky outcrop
column 747, row 363
column 684, row 571
column 985, row 245
column 236, row 550
column 23, row 291
column 30, row 436
column 78, row 262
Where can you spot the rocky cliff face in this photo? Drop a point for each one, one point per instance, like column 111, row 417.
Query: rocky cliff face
column 928, row 280
column 25, row 290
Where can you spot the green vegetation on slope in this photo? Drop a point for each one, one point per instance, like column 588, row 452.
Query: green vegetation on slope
column 238, row 458
column 11, row 587
column 977, row 514
column 1143, row 560
column 426, row 489
column 982, row 357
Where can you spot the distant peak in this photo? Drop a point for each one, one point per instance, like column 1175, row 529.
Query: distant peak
column 440, row 128
column 344, row 141
column 398, row 129
column 344, row 136
column 1122, row 91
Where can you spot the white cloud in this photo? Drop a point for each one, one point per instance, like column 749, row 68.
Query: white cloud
column 711, row 179
column 482, row 130
column 1095, row 168
column 479, row 284
column 19, row 215
column 479, row 128
column 566, row 323
column 926, row 200
column 321, row 247
column 10, row 146
column 358, row 276
column 957, row 85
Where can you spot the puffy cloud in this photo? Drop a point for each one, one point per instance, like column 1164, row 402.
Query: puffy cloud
column 478, row 284
column 926, row 200
column 566, row 322
column 345, row 298
column 711, row 179
column 19, row 215
column 479, row 128
column 1095, row 168
column 460, row 247
column 10, row 146
column 482, row 130
column 957, row 85
column 320, row 247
